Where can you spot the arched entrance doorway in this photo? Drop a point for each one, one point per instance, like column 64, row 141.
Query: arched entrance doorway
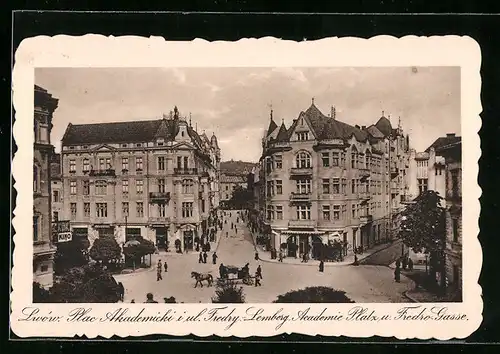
column 291, row 246
column 317, row 247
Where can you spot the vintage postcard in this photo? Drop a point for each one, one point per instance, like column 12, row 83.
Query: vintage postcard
column 247, row 188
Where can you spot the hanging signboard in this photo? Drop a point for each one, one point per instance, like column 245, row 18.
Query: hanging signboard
column 64, row 237
column 63, row 226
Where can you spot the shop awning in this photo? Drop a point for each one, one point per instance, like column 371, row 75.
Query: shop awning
column 296, row 232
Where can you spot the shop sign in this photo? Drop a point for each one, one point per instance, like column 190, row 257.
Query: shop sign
column 64, row 237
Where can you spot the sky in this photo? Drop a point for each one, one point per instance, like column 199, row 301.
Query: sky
column 235, row 103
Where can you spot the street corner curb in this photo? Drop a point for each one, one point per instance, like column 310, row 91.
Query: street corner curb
column 409, row 297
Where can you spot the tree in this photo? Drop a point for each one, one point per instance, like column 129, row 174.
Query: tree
column 229, row 294
column 315, row 294
column 138, row 248
column 241, row 198
column 423, row 227
column 71, row 254
column 40, row 294
column 105, row 249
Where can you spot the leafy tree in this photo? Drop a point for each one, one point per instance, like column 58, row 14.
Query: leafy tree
column 315, row 294
column 423, row 228
column 138, row 248
column 71, row 254
column 241, row 198
column 87, row 284
column 40, row 294
column 229, row 294
column 105, row 249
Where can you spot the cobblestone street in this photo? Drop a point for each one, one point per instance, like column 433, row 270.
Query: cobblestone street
column 361, row 283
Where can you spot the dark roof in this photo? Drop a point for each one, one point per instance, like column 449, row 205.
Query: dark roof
column 328, row 128
column 282, row 133
column 443, row 141
column 374, row 132
column 384, row 125
column 272, row 127
column 236, row 167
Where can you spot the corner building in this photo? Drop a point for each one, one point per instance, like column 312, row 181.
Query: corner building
column 323, row 180
column 157, row 179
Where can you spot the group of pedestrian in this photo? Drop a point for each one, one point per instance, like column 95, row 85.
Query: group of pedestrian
column 159, row 269
column 404, row 262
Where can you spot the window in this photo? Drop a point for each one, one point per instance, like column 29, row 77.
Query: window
column 73, row 210
column 335, row 158
column 108, row 163
column 270, row 188
column 325, row 158
column 139, row 186
column 125, row 208
column 279, row 186
column 124, row 145
column 160, row 142
column 303, row 136
column 187, row 186
column 303, row 212
column 269, row 164
column 140, row 209
column 278, row 161
column 55, row 196
column 161, row 185
column 326, row 186
column 161, row 163
column 101, row 210
column 179, row 162
column 86, row 165
column 354, row 159
column 186, row 160
column 326, row 212
column 187, row 209
column 422, row 185
column 454, row 183
column 162, row 210
column 279, row 212
column 72, row 166
column 303, row 160
column 100, row 187
column 344, row 212
column 138, row 145
column 454, row 224
column 303, row 186
column 203, row 205
column 125, row 163
column 270, row 212
column 86, row 187
column 86, row 209
column 344, row 186
column 342, row 159
column 353, row 186
column 125, row 186
column 227, row 187
column 36, row 223
column 36, row 179
column 102, row 166
column 138, row 163
column 336, row 186
column 354, row 211
column 336, row 212
column 438, row 171
column 72, row 187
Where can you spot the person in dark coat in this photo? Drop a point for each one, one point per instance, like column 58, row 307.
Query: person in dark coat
column 404, row 262
column 281, row 257
column 256, row 256
column 165, row 266
column 258, row 277
column 398, row 263
column 397, row 274
column 259, row 271
column 158, row 272
column 410, row 265
column 214, row 258
column 205, row 256
column 235, row 230
column 200, row 258
column 150, row 299
column 321, row 266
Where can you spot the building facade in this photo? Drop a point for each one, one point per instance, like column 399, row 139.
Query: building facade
column 43, row 248
column 57, row 188
column 228, row 183
column 453, row 252
column 156, row 179
column 323, row 180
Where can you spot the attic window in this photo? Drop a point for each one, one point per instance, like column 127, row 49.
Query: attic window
column 85, row 146
column 124, row 145
column 138, row 145
column 72, row 148
column 182, row 133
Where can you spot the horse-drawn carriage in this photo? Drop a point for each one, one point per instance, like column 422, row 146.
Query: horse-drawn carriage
column 232, row 275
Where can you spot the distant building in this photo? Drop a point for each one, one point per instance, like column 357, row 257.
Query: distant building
column 322, row 180
column 158, row 179
column 43, row 249
column 57, row 188
column 453, row 252
column 228, row 183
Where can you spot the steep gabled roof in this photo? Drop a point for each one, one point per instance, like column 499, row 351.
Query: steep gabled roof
column 444, row 141
column 374, row 132
column 328, row 128
column 384, row 125
column 282, row 133
column 272, row 126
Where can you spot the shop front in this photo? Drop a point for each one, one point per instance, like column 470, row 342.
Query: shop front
column 188, row 232
column 105, row 230
column 161, row 236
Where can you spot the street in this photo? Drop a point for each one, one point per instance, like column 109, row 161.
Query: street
column 361, row 283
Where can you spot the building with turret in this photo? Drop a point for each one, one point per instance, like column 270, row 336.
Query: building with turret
column 158, row 179
column 321, row 180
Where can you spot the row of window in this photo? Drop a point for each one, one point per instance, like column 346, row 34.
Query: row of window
column 106, row 163
column 329, row 186
column 101, row 210
column 101, row 187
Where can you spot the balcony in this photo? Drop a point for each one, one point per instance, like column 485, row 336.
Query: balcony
column 300, row 197
column 159, row 197
column 364, row 173
column 302, row 224
column 159, row 219
column 185, row 171
column 394, row 171
column 103, row 173
column 365, row 219
column 301, row 171
column 364, row 196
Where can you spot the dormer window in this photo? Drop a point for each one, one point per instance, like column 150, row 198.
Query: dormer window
column 302, row 136
column 124, row 145
column 85, row 146
column 138, row 145
column 160, row 142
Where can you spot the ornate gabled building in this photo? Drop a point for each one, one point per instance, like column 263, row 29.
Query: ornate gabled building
column 43, row 248
column 158, row 179
column 323, row 180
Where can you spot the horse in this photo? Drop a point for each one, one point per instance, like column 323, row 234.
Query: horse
column 201, row 277
column 121, row 291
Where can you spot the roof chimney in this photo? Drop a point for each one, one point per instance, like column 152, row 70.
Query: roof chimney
column 450, row 135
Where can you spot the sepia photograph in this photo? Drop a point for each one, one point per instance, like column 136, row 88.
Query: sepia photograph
column 247, row 185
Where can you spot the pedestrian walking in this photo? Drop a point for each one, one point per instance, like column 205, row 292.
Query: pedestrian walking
column 410, row 265
column 404, row 262
column 258, row 277
column 397, row 274
column 398, row 263
column 259, row 271
column 321, row 266
column 281, row 257
column 222, row 270
column 158, row 273
column 200, row 258
column 205, row 256
column 165, row 266
column 150, row 299
column 256, row 256
column 235, row 230
column 304, row 257
column 214, row 258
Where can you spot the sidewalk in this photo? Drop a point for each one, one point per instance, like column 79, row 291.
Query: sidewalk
column 348, row 260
